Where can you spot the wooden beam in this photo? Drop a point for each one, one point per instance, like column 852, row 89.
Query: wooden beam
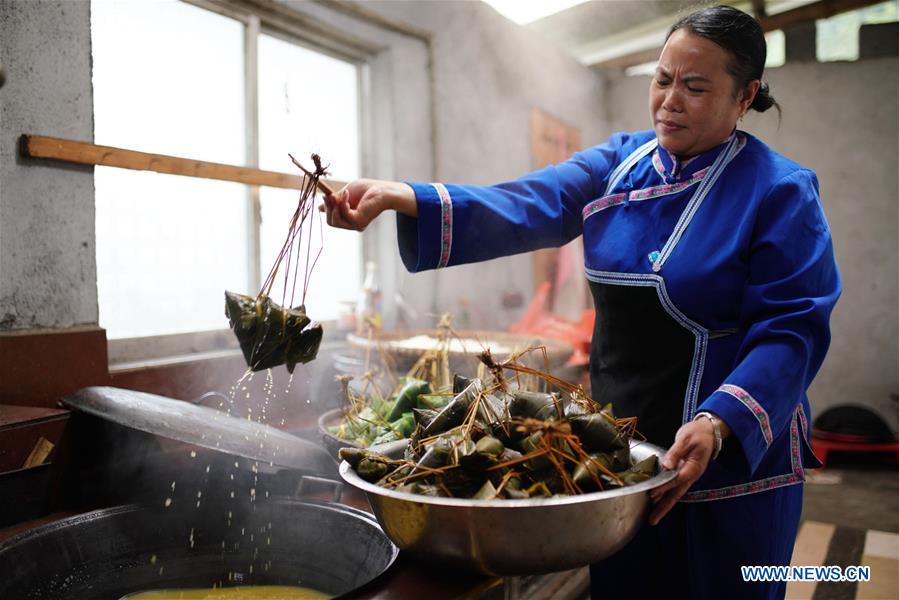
column 280, row 16
column 37, row 146
column 812, row 12
column 758, row 7
column 797, row 16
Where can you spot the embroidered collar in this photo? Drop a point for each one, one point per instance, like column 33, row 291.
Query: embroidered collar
column 672, row 169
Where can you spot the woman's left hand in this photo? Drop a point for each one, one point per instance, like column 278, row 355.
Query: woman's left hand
column 691, row 452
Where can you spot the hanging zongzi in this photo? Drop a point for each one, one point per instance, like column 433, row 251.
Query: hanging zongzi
column 270, row 335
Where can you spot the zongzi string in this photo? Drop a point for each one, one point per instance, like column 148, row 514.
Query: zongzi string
column 292, row 250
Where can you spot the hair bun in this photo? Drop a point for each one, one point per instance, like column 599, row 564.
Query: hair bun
column 763, row 100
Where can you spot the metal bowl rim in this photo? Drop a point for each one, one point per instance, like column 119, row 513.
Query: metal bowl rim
column 663, row 477
column 322, row 423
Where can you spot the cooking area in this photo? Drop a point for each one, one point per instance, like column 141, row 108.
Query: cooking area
column 404, row 299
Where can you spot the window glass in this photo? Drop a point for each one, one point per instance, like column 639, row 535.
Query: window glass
column 167, row 248
column 168, row 78
column 777, row 49
column 309, row 102
column 837, row 37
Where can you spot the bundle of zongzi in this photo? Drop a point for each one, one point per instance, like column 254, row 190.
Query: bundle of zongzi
column 270, row 335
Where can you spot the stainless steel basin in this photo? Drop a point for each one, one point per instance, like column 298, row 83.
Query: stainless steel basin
column 514, row 537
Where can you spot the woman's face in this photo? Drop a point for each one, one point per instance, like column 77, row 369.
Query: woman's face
column 692, row 100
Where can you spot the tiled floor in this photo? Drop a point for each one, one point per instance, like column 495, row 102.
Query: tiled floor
column 850, row 517
column 829, row 544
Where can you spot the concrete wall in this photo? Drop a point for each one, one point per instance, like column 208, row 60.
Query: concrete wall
column 489, row 74
column 47, row 252
column 841, row 120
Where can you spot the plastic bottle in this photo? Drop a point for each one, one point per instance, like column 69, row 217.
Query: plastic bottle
column 368, row 307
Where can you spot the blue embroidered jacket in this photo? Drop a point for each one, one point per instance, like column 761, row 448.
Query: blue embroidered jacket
column 713, row 280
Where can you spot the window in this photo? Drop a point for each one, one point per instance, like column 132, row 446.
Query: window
column 170, row 78
column 295, row 111
column 777, row 49
column 837, row 37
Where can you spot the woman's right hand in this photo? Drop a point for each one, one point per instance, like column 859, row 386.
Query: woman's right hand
column 359, row 202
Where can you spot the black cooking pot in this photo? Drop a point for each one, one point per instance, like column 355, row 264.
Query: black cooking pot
column 109, row 553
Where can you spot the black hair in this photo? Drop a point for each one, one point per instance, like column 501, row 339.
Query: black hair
column 742, row 36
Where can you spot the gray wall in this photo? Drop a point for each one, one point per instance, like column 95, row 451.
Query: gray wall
column 47, row 252
column 839, row 119
column 489, row 74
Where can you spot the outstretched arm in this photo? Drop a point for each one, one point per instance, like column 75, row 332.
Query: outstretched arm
column 359, row 202
column 442, row 225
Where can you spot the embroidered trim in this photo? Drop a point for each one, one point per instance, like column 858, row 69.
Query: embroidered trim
column 642, row 194
column 668, row 188
column 684, row 164
column 796, row 476
column 756, row 408
column 804, row 424
column 657, row 163
column 622, row 169
column 446, row 224
column 602, row 204
column 701, row 334
column 802, row 421
column 726, row 155
column 677, row 166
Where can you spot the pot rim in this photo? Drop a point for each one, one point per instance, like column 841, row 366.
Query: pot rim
column 49, row 528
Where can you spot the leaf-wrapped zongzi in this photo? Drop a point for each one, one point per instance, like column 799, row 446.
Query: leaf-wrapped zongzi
column 270, row 335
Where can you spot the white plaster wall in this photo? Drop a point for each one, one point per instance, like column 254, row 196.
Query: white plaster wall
column 47, row 260
column 842, row 121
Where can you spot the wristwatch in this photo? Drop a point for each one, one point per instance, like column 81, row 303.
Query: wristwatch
column 716, row 425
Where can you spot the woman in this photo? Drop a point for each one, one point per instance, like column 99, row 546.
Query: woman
column 712, row 272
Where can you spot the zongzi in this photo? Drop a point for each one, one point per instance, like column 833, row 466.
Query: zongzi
column 270, row 335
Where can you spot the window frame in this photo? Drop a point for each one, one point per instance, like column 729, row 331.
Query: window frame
column 323, row 39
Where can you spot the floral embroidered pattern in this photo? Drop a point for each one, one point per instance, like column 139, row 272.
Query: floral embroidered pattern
column 796, row 476
column 757, row 410
column 640, row 195
column 657, row 163
column 446, row 224
column 668, row 188
column 603, row 203
column 721, row 161
column 802, row 420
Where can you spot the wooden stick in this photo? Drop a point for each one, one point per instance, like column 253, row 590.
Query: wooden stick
column 321, row 184
column 39, row 453
column 71, row 151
